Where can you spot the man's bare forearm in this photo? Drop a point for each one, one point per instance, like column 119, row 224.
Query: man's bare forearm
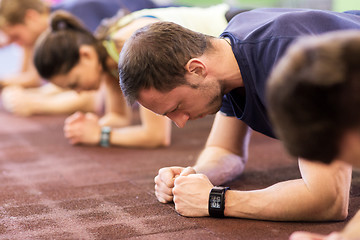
column 324, row 197
column 220, row 165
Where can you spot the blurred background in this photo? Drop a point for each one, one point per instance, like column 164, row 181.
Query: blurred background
column 9, row 54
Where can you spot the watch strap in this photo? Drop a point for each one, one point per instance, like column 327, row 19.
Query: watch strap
column 217, row 192
column 105, row 136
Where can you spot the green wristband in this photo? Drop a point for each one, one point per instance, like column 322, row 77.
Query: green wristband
column 105, row 136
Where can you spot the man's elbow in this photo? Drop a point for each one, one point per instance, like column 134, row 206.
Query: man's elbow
column 340, row 209
column 332, row 193
column 340, row 193
column 336, row 208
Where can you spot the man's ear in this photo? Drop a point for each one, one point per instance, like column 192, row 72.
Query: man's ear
column 196, row 66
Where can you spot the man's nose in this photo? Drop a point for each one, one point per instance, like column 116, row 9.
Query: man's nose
column 179, row 119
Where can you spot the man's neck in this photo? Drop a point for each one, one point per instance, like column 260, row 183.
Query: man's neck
column 226, row 68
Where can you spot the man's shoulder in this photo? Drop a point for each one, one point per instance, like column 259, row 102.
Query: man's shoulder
column 259, row 21
column 269, row 23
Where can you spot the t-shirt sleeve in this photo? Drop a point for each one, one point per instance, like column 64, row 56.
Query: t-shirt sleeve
column 226, row 107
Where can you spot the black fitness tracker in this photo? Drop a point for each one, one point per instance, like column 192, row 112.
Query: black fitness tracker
column 217, row 201
column 105, row 136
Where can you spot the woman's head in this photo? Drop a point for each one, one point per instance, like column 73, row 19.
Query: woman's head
column 23, row 20
column 69, row 55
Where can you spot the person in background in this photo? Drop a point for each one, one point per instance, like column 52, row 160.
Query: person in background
column 186, row 75
column 22, row 22
column 91, row 62
column 4, row 40
column 313, row 96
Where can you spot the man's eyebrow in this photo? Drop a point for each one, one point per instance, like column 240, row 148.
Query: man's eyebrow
column 170, row 111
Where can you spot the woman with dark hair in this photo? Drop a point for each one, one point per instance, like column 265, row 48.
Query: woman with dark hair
column 71, row 57
column 21, row 23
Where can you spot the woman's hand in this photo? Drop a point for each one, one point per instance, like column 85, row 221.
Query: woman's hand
column 82, row 128
column 16, row 101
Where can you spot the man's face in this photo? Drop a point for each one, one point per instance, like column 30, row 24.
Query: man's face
column 20, row 34
column 184, row 102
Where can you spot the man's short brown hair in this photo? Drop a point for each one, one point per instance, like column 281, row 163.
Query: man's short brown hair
column 13, row 11
column 156, row 55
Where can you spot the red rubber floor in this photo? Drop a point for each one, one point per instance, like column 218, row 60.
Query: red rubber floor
column 51, row 190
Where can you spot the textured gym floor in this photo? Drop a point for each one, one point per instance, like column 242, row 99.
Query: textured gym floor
column 51, row 190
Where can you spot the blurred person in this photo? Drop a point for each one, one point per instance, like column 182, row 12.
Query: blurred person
column 24, row 20
column 72, row 58
column 313, row 97
column 4, row 40
column 186, row 75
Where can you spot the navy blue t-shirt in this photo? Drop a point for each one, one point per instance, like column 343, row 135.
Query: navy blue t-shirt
column 91, row 12
column 259, row 38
